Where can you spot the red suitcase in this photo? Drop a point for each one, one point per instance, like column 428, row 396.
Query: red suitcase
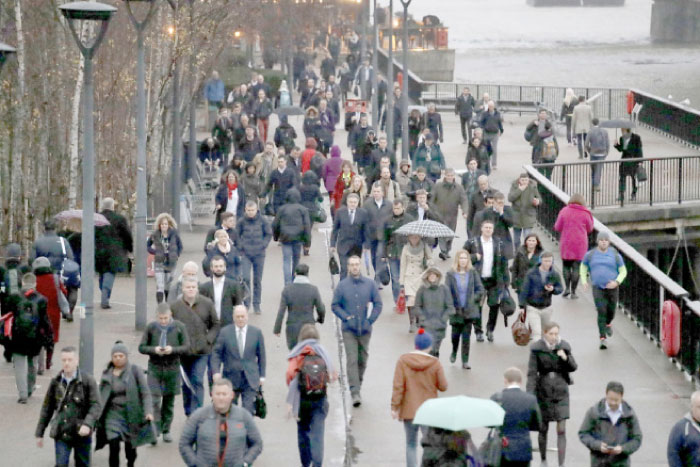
column 671, row 328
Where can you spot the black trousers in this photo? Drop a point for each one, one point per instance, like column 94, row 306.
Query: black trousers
column 114, row 453
column 463, row 331
column 464, row 123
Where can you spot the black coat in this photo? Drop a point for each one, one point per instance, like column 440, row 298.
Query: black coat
column 522, row 417
column 30, row 345
column 501, row 227
column 500, row 262
column 156, row 247
column 548, row 379
column 522, row 264
column 377, row 217
column 200, row 321
column 299, row 300
column 221, row 198
column 351, row 238
column 112, row 243
column 633, row 151
column 477, row 202
column 292, row 222
column 164, row 370
column 231, row 296
column 280, row 184
column 464, row 106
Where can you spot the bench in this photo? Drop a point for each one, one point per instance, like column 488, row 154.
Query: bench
column 521, row 107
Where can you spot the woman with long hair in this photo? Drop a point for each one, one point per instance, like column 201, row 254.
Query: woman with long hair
column 567, row 111
column 416, row 257
column 526, row 258
column 357, row 186
column 165, row 245
column 574, row 224
column 342, row 183
column 230, row 197
column 466, row 289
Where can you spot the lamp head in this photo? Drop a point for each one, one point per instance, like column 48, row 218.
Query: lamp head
column 92, row 11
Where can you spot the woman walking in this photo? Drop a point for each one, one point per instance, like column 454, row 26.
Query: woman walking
column 357, row 186
column 526, row 258
column 127, row 408
column 548, row 379
column 342, row 183
column 466, row 289
column 434, row 307
column 230, row 197
column 166, row 246
column 574, row 224
column 224, row 247
column 416, row 257
column 567, row 111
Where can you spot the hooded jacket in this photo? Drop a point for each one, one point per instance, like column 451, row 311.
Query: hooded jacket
column 292, row 222
column 418, row 377
column 434, row 303
column 310, row 192
column 331, row 169
column 253, row 235
column 574, row 223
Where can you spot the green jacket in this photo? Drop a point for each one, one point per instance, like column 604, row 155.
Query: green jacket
column 394, row 242
column 525, row 213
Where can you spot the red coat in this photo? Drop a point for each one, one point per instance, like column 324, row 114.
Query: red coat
column 306, row 157
column 340, row 189
column 46, row 286
column 574, row 222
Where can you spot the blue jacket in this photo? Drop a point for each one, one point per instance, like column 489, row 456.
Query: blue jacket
column 522, row 417
column 684, row 443
column 254, row 234
column 350, row 303
column 475, row 291
column 214, row 90
column 532, row 291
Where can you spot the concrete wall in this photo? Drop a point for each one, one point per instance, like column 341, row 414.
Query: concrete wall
column 432, row 65
column 675, row 21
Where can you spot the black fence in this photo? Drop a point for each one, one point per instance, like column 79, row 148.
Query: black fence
column 607, row 103
column 669, row 180
column 674, row 120
column 645, row 289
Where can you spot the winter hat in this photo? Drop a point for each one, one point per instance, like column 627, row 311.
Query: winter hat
column 405, row 162
column 603, row 236
column 335, row 151
column 423, row 340
column 40, row 262
column 13, row 251
column 120, row 347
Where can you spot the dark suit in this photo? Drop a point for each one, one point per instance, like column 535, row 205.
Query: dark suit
column 230, row 297
column 629, row 169
column 477, row 202
column 501, row 227
column 493, row 285
column 299, row 299
column 350, row 238
column 377, row 218
column 522, row 416
column 244, row 373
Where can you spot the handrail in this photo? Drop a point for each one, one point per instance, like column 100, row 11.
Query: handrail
column 465, row 83
column 641, row 159
column 622, row 246
column 668, row 102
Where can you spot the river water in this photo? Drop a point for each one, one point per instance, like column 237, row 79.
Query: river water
column 507, row 41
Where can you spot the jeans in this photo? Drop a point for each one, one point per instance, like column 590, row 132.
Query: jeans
column 519, row 235
column 464, row 123
column 605, row 303
column 106, row 285
column 114, row 448
column 25, row 374
column 82, row 449
column 356, row 353
column 257, row 263
column 310, row 430
column 194, row 366
column 536, row 319
column 580, row 139
column 412, row 441
column 395, row 272
column 492, row 139
column 596, row 169
column 290, row 258
column 464, row 332
column 375, row 251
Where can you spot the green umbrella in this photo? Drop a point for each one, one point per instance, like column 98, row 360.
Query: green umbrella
column 459, row 413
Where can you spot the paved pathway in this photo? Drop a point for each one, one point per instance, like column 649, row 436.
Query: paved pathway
column 656, row 390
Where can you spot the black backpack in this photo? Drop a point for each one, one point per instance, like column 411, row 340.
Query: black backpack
column 26, row 321
column 313, row 376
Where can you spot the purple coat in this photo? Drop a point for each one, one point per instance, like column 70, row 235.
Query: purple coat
column 331, row 169
column 574, row 222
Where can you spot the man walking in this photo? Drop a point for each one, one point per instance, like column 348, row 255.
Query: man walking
column 536, row 293
column 470, row 179
column 598, row 146
column 464, row 107
column 684, row 440
column 492, row 123
column 607, row 270
column 51, row 246
column 394, row 244
column 581, row 122
column 222, row 291
column 351, row 232
column 478, row 202
column 189, row 269
column 214, row 94
column 198, row 315
column 299, row 299
column 448, row 197
column 379, row 211
column 71, row 406
column 112, row 244
column 522, row 417
column 240, row 348
column 418, row 376
column 254, row 235
column 524, row 198
column 357, row 303
column 502, row 217
column 610, row 429
column 292, row 227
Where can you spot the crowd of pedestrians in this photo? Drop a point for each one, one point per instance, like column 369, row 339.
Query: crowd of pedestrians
column 202, row 346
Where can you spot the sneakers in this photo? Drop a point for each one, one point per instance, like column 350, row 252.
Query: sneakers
column 489, row 336
column 453, row 357
column 257, row 309
column 609, row 330
column 412, row 328
column 356, row 400
column 574, row 296
column 465, row 366
column 167, row 438
column 566, row 293
column 603, row 343
column 480, row 337
column 442, row 256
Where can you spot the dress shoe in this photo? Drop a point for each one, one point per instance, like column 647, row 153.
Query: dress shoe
column 356, row 400
column 257, row 310
column 453, row 357
column 566, row 293
column 105, row 306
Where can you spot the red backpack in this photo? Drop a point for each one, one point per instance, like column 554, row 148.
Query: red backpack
column 313, row 376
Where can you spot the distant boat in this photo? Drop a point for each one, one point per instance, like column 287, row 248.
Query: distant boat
column 545, row 3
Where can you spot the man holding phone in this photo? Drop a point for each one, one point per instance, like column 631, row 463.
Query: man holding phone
column 539, row 285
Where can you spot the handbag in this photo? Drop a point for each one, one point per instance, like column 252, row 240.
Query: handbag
column 641, row 174
column 320, row 215
column 382, row 272
column 520, row 329
column 260, row 405
column 333, row 266
column 401, row 302
column 507, row 305
column 490, row 449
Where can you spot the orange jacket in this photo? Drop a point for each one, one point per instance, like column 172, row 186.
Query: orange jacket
column 417, row 378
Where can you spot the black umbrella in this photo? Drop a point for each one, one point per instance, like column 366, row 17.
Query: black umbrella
column 618, row 124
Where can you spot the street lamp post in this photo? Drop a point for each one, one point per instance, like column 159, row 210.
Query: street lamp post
column 192, row 147
column 176, row 179
column 375, row 69
column 141, row 292
column 89, row 11
column 404, row 90
column 390, row 82
column 5, row 52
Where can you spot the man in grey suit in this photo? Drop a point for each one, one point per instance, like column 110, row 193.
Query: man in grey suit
column 240, row 348
column 351, row 232
column 379, row 211
column 299, row 298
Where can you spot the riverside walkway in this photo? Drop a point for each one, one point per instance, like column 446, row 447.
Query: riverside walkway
column 656, row 389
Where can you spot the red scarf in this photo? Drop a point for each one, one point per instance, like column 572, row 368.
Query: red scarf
column 231, row 188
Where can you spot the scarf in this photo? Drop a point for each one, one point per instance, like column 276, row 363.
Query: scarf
column 347, row 178
column 231, row 188
column 225, row 250
column 163, row 340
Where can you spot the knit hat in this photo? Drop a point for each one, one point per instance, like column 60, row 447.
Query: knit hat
column 120, row 347
column 603, row 236
column 405, row 162
column 40, row 262
column 423, row 340
column 13, row 250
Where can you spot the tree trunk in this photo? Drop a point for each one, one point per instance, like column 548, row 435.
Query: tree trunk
column 18, row 137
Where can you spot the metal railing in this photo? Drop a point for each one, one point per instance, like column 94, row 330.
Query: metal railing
column 645, row 289
column 669, row 180
column 609, row 103
column 674, row 120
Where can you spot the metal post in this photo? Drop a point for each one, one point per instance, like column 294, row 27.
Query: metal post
column 176, row 177
column 390, row 82
column 192, row 147
column 290, row 51
column 375, row 69
column 404, row 91
column 141, row 291
column 363, row 30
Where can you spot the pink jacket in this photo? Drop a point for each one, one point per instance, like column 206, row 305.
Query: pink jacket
column 574, row 222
